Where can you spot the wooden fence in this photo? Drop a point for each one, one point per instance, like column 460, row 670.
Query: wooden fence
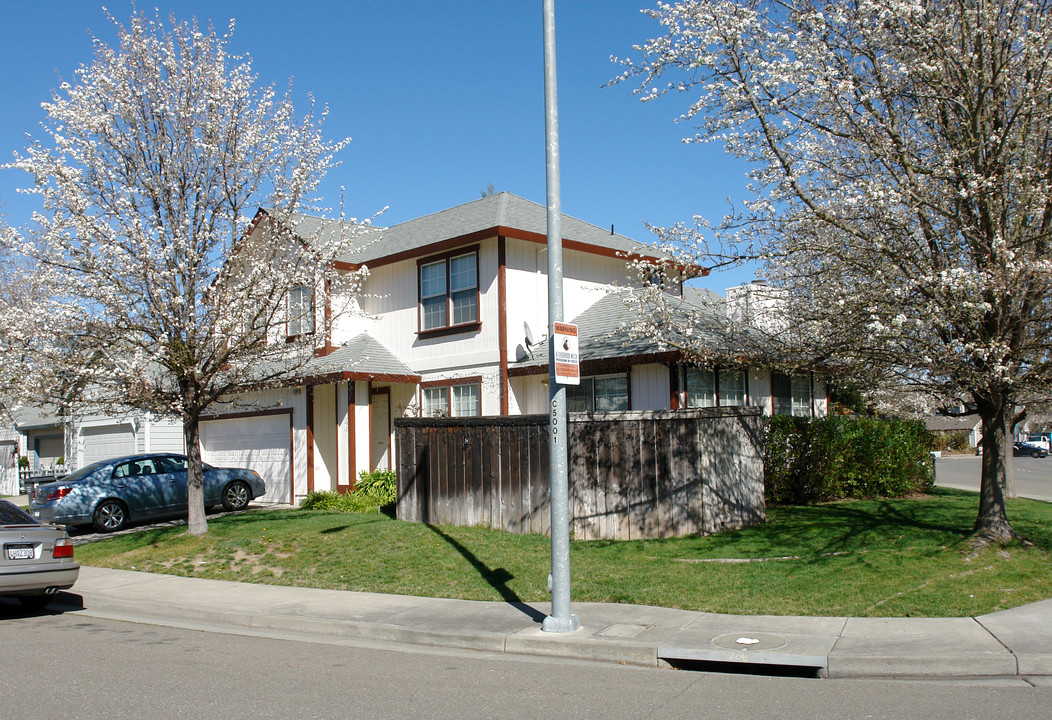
column 632, row 474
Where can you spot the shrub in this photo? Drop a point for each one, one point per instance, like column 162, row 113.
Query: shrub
column 374, row 492
column 844, row 457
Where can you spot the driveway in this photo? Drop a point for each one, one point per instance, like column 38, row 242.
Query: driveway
column 1033, row 476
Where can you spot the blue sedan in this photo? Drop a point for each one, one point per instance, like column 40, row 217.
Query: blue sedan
column 112, row 493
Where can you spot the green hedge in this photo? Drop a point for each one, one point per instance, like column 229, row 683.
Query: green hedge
column 844, row 457
column 374, row 492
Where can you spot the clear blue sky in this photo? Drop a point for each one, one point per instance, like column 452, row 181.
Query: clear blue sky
column 439, row 97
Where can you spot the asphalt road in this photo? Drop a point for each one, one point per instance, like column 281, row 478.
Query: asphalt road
column 1033, row 476
column 64, row 665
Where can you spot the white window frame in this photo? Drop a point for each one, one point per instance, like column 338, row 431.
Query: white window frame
column 301, row 319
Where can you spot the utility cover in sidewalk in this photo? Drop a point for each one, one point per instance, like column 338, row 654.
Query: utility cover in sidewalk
column 623, row 630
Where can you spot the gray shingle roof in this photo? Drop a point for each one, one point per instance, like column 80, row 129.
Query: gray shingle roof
column 363, row 355
column 601, row 335
column 31, row 417
column 500, row 210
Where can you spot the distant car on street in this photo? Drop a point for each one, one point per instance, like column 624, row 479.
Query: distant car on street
column 1041, row 440
column 36, row 560
column 1022, row 448
column 110, row 494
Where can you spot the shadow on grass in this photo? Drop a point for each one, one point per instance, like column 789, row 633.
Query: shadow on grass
column 818, row 532
column 496, row 578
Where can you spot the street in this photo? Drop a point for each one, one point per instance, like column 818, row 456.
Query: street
column 65, row 665
column 1033, row 476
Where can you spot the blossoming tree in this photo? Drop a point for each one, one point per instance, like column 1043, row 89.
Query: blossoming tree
column 148, row 290
column 902, row 180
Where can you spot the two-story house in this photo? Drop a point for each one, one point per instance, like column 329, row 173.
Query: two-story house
column 452, row 321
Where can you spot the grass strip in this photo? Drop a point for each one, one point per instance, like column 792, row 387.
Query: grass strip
column 861, row 558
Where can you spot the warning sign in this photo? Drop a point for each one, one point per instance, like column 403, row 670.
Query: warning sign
column 567, row 358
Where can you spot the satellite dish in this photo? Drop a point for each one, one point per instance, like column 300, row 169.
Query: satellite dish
column 529, row 333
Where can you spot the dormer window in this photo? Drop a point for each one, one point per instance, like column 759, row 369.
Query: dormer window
column 301, row 311
column 449, row 296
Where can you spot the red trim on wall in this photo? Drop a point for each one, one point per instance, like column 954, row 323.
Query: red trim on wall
column 673, row 386
column 448, row 383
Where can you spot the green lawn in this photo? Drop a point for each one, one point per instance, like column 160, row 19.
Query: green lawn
column 860, row 558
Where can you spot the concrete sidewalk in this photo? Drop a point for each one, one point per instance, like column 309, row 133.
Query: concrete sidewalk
column 1010, row 643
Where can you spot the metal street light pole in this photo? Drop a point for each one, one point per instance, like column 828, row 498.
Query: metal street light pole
column 560, row 620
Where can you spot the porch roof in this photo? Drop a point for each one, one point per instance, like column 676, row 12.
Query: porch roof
column 363, row 357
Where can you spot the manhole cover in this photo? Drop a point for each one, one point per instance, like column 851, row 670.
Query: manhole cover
column 624, row 630
column 750, row 641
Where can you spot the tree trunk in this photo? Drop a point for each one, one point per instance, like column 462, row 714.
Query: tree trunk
column 197, row 522
column 992, row 523
column 1009, row 484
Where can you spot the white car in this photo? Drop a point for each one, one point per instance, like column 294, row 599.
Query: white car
column 1041, row 441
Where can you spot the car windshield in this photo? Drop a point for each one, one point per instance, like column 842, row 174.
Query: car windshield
column 11, row 515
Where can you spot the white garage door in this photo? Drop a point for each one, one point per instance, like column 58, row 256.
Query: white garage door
column 106, row 442
column 260, row 443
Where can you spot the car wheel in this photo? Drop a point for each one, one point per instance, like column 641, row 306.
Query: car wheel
column 1036, row 453
column 236, row 496
column 35, row 602
column 110, row 516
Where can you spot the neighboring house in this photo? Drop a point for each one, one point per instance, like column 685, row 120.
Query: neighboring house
column 949, row 425
column 44, row 438
column 445, row 315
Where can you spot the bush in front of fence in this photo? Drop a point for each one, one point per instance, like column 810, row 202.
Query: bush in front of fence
column 844, row 457
column 374, row 492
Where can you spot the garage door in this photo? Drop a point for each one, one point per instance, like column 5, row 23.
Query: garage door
column 48, row 449
column 106, row 442
column 261, row 443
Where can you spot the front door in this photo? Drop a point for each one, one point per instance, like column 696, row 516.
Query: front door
column 380, row 429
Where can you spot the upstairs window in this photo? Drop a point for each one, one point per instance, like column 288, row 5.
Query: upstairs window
column 301, row 311
column 449, row 296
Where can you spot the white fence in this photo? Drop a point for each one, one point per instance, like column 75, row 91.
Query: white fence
column 8, row 481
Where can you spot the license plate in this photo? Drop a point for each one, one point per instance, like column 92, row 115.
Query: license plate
column 20, row 552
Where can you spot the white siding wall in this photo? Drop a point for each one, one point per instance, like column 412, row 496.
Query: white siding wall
column 529, row 395
column 361, row 428
column 164, row 435
column 586, row 278
column 391, row 293
column 760, row 389
column 326, row 449
column 650, row 387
